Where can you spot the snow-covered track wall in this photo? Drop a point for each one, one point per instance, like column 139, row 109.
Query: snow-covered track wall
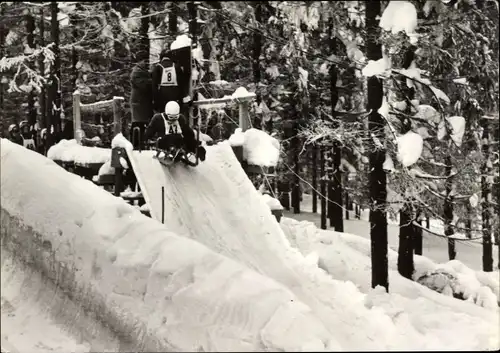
column 154, row 290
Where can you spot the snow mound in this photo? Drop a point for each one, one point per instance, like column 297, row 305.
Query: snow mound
column 241, row 92
column 181, row 41
column 274, row 204
column 419, row 316
column 410, row 146
column 106, row 169
column 237, row 138
column 399, row 16
column 71, row 151
column 462, row 285
column 162, row 291
column 120, row 141
column 260, row 149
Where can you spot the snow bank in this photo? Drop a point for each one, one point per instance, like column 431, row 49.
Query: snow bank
column 457, row 280
column 259, row 148
column 162, row 291
column 237, row 138
column 425, row 319
column 71, row 151
column 274, row 204
column 410, row 146
column 400, row 16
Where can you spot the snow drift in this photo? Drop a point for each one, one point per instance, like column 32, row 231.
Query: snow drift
column 259, row 148
column 427, row 319
column 71, row 151
column 161, row 291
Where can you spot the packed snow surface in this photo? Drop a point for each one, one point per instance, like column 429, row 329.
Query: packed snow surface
column 173, row 293
column 410, row 146
column 71, row 151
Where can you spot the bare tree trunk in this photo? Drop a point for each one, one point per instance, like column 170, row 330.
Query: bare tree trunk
column 3, row 34
column 406, row 266
column 54, row 85
column 296, row 171
column 346, row 202
column 448, row 210
column 323, row 187
column 30, row 39
column 257, row 47
column 378, row 192
column 418, row 239
column 406, row 229
column 41, row 66
column 336, row 218
column 314, row 157
column 486, row 201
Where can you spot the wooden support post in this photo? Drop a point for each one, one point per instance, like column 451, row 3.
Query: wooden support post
column 117, row 115
column 244, row 116
column 77, row 118
column 118, row 181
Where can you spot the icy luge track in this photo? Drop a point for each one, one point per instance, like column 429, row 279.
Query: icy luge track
column 217, row 205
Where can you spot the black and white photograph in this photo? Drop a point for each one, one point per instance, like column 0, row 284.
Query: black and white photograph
column 249, row 176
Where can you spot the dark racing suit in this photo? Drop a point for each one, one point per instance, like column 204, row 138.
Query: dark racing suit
column 173, row 134
column 169, row 84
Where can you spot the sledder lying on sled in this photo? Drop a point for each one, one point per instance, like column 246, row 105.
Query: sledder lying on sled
column 176, row 140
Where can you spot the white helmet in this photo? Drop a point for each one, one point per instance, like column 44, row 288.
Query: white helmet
column 172, row 110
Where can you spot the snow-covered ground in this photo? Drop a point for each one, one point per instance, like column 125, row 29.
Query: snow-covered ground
column 243, row 282
column 443, row 320
column 435, row 248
